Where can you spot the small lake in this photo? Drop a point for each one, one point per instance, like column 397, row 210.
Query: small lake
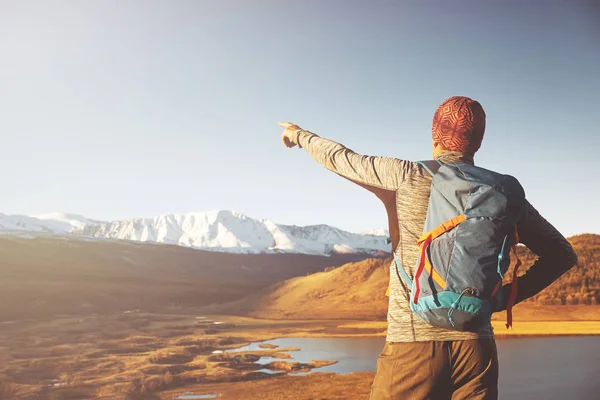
column 351, row 354
column 530, row 368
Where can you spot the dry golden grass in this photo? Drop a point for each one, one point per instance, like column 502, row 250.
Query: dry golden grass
column 531, row 312
column 111, row 357
column 140, row 354
column 521, row 328
column 51, row 276
column 357, row 291
column 379, row 325
column 315, row 386
column 352, row 291
column 543, row 328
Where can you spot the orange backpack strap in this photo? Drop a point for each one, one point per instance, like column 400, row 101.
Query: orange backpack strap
column 422, row 257
column 424, row 242
column 434, row 275
column 442, row 228
column 498, row 286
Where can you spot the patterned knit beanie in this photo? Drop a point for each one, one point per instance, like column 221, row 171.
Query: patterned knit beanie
column 459, row 124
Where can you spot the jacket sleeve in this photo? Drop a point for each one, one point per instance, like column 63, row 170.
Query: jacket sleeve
column 556, row 255
column 368, row 171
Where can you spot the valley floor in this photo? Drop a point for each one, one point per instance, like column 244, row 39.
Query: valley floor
column 161, row 356
column 321, row 386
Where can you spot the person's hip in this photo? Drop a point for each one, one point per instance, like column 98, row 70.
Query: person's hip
column 461, row 369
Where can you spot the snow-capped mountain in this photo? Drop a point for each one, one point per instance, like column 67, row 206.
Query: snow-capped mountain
column 45, row 224
column 225, row 231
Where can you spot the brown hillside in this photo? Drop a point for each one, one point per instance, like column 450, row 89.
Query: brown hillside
column 54, row 275
column 353, row 291
column 357, row 290
column 581, row 285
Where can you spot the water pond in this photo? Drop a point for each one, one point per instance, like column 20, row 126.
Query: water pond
column 530, row 368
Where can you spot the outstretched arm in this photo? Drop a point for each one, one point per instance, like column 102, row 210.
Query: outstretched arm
column 556, row 255
column 383, row 173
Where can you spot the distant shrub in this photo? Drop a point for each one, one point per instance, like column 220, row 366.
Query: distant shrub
column 168, row 378
column 572, row 299
column 199, row 343
column 179, row 356
column 152, row 384
column 547, row 300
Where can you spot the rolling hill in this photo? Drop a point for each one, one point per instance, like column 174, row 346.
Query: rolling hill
column 356, row 290
column 49, row 275
column 353, row 291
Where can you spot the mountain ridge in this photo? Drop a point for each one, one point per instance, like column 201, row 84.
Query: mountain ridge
column 216, row 230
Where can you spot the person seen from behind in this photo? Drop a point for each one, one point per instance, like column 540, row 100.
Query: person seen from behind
column 421, row 361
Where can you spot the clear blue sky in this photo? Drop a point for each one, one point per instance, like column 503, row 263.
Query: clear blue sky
column 117, row 109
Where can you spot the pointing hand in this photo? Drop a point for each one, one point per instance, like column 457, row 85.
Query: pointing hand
column 290, row 134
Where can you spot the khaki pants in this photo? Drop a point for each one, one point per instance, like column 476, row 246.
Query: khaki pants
column 453, row 370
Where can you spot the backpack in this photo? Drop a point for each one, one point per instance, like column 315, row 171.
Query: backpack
column 470, row 229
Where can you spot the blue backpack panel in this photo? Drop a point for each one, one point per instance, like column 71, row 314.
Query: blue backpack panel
column 469, row 232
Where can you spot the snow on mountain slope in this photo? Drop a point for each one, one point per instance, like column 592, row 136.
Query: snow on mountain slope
column 23, row 223
column 377, row 232
column 51, row 224
column 65, row 222
column 226, row 231
column 324, row 239
column 231, row 231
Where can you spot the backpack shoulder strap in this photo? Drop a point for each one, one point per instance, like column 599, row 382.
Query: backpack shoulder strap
column 431, row 166
column 402, row 271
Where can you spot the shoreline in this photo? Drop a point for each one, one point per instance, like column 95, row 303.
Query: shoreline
column 348, row 329
column 327, row 384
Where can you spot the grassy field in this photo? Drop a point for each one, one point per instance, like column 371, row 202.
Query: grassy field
column 318, row 386
column 141, row 355
column 138, row 354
